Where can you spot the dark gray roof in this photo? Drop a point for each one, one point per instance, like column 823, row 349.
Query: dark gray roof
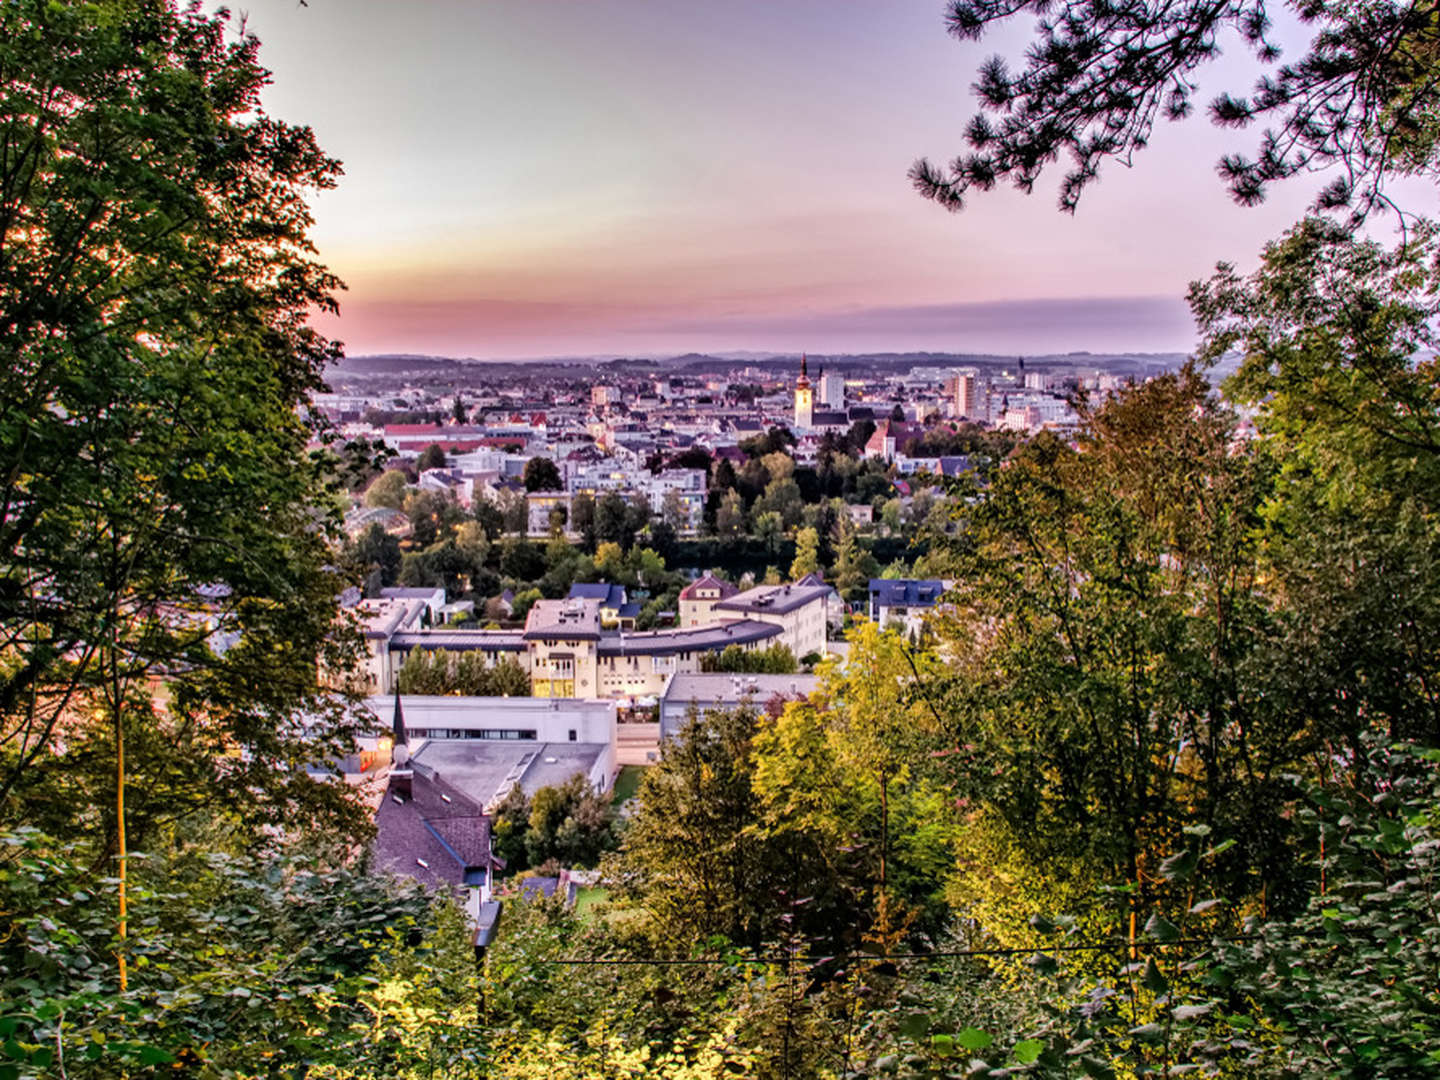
column 436, row 836
column 693, row 639
column 906, row 592
column 610, row 596
column 460, row 640
column 777, row 599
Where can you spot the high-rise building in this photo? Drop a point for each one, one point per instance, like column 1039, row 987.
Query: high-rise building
column 832, row 390
column 804, row 398
column 967, row 397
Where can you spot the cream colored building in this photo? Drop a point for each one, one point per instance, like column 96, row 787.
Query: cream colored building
column 698, row 600
column 568, row 652
column 798, row 610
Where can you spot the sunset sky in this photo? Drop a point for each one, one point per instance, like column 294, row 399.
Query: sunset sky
column 577, row 177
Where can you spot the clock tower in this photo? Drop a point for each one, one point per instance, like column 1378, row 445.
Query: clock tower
column 804, row 398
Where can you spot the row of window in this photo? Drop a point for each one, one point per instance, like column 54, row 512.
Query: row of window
column 474, row 733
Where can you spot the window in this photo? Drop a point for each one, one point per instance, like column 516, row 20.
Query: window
column 572, row 734
column 474, row 733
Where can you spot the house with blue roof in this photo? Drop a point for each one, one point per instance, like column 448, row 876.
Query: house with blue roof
column 616, row 608
column 903, row 603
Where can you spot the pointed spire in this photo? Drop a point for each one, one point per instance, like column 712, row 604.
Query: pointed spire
column 401, row 739
column 802, row 365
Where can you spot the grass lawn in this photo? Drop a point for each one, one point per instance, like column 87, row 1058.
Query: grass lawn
column 627, row 783
column 585, row 899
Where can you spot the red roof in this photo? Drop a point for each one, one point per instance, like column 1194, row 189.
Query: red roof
column 709, row 581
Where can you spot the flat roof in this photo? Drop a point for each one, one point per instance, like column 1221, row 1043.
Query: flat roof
column 690, row 639
column 577, row 619
column 481, row 769
column 779, row 599
column 383, row 616
column 723, row 688
column 459, row 640
column 426, row 710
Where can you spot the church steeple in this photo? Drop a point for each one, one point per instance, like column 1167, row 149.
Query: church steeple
column 804, row 398
column 397, row 725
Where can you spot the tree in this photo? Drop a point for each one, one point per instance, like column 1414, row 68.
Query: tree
column 514, row 512
column 859, row 434
column 854, row 565
column 781, row 498
column 730, row 518
column 774, row 441
column 521, row 560
column 388, row 490
column 1332, row 332
column 457, row 410
column 1363, row 99
column 673, row 513
column 1111, row 645
column 582, row 519
column 610, row 519
column 773, row 660
column 807, row 553
column 376, row 549
column 432, row 457
column 159, row 501
column 723, row 477
column 541, row 474
column 687, row 859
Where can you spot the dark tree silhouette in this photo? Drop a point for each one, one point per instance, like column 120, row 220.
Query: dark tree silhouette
column 1364, row 98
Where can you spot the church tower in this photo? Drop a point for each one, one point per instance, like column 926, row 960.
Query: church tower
column 804, row 398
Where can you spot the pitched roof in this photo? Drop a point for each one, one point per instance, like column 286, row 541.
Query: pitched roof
column 610, row 596
column 438, row 835
column 908, row 592
column 709, row 581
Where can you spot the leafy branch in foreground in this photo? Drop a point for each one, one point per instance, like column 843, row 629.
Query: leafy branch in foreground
column 1364, row 98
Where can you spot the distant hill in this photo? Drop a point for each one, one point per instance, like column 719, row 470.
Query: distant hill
column 847, row 363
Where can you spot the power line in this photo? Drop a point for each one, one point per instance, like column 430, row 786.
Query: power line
column 926, row 957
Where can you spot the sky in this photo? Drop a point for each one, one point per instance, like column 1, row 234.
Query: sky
column 652, row 177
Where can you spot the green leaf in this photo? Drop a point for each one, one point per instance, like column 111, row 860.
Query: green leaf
column 153, row 1055
column 1028, row 1050
column 1161, row 928
column 1180, row 866
column 914, row 1025
column 1153, row 979
column 974, row 1039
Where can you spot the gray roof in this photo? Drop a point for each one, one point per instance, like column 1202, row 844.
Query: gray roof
column 435, row 836
column 722, row 689
column 573, row 619
column 483, row 768
column 460, row 640
column 905, row 592
column 776, row 599
column 692, row 639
